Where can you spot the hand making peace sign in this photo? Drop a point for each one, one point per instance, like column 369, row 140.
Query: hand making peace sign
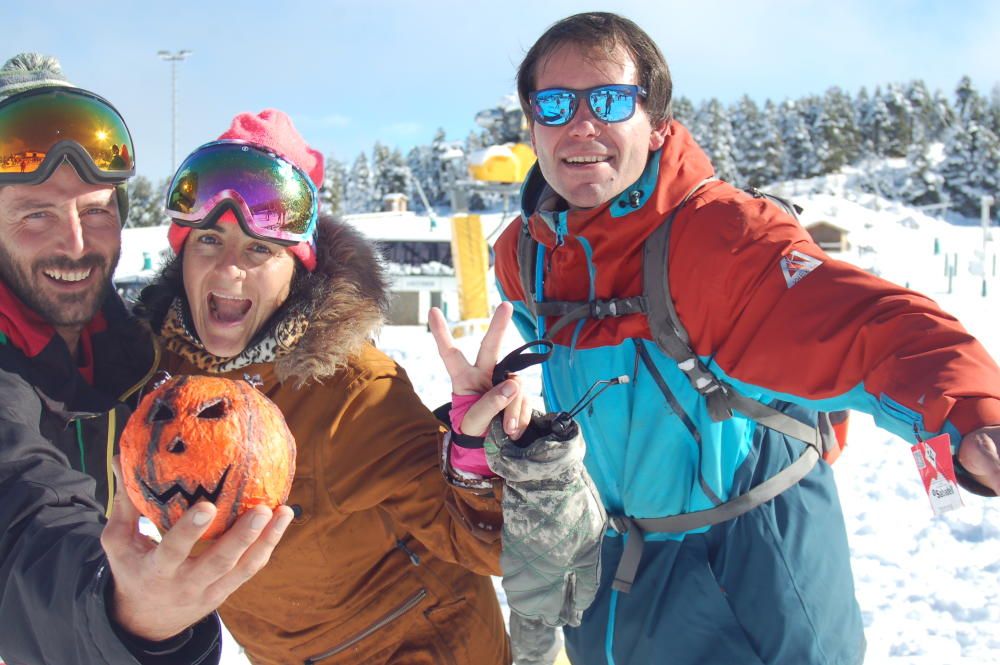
column 476, row 379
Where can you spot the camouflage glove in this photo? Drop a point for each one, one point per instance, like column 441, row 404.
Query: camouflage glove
column 553, row 520
column 532, row 642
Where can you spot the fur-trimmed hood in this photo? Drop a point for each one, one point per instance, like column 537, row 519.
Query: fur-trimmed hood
column 345, row 301
column 349, row 303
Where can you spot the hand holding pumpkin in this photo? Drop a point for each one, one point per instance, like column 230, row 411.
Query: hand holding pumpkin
column 161, row 589
column 198, row 453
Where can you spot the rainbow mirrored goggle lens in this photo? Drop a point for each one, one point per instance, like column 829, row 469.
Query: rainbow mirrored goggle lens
column 39, row 128
column 273, row 199
column 554, row 107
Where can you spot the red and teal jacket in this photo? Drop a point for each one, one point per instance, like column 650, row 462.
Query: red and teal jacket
column 766, row 310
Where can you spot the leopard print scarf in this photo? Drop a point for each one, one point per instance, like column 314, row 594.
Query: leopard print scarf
column 272, row 342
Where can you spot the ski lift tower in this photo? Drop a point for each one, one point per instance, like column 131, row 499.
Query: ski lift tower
column 499, row 168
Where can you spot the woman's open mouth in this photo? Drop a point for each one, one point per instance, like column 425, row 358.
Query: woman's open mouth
column 228, row 309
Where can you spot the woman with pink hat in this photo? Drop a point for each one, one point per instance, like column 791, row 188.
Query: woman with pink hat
column 388, row 559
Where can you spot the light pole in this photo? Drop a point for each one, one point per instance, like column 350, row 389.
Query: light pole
column 173, row 59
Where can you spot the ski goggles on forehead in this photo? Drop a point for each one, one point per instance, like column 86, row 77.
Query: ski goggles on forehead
column 39, row 128
column 273, row 199
column 554, row 107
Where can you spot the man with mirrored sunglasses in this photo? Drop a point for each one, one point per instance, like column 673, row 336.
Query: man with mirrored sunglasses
column 78, row 582
column 767, row 314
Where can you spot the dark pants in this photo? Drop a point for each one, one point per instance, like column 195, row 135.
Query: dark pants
column 773, row 586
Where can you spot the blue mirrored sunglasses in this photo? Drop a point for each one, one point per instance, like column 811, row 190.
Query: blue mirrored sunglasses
column 554, row 107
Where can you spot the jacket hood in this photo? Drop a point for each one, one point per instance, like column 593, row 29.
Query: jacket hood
column 671, row 173
column 345, row 301
column 348, row 297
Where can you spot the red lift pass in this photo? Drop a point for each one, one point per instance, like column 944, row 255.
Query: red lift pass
column 933, row 458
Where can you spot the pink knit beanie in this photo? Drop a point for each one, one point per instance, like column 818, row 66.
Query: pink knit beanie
column 274, row 130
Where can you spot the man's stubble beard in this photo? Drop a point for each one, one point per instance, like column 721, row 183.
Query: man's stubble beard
column 58, row 311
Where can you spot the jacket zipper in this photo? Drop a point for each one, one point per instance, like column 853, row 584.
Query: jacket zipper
column 412, row 602
column 149, row 373
column 111, row 429
column 410, row 554
column 561, row 231
column 112, row 424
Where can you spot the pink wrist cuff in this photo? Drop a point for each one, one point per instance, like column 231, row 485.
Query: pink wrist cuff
column 460, row 405
column 470, row 460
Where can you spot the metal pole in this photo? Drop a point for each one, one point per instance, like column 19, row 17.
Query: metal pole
column 173, row 115
column 173, row 59
column 984, row 217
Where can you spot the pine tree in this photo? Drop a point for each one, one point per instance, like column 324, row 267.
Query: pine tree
column 438, row 192
column 774, row 149
column 146, row 203
column 874, row 121
column 800, row 160
column 835, row 134
column 714, row 133
column 358, row 194
column 389, row 174
column 969, row 106
column 333, row 193
column 922, row 184
column 898, row 131
column 922, row 114
column 380, row 178
column 943, row 117
column 971, row 167
column 993, row 110
column 757, row 147
column 683, row 111
column 862, row 104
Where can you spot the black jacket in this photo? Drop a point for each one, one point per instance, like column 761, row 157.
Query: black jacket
column 57, row 433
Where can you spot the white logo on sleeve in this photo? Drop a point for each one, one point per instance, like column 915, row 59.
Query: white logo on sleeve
column 796, row 265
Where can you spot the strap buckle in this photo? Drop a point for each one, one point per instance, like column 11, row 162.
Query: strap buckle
column 619, row 523
column 601, row 309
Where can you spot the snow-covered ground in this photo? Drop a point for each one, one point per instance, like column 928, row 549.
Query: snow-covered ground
column 929, row 587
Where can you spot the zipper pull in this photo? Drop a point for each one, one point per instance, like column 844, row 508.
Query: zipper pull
column 414, row 559
column 562, row 229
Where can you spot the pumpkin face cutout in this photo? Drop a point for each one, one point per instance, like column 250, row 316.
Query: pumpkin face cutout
column 202, row 438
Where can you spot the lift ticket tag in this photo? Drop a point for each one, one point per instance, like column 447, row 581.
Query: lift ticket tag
column 933, row 458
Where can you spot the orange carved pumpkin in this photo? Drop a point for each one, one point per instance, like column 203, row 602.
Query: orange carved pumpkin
column 201, row 438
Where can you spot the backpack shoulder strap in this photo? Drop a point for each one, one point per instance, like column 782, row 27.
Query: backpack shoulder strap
column 527, row 253
column 672, row 338
column 664, row 324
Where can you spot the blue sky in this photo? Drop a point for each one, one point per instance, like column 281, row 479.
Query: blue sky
column 353, row 72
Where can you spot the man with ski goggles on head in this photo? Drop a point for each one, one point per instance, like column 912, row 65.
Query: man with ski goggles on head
column 78, row 583
column 727, row 541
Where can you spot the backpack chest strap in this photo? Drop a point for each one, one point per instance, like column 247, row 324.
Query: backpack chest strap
column 569, row 311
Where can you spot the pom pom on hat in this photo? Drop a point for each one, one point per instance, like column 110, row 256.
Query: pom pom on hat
column 30, row 70
column 274, row 130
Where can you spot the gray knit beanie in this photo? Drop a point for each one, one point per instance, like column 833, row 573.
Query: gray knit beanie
column 30, row 70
